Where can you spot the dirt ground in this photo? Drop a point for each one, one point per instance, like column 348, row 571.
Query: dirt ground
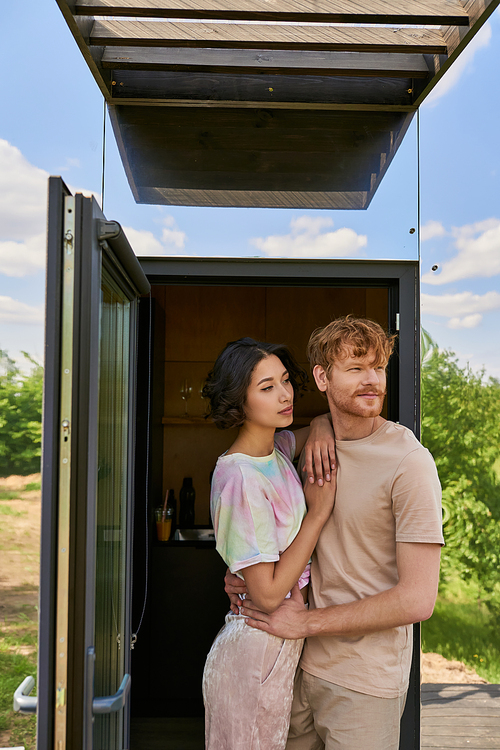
column 19, row 574
column 19, row 547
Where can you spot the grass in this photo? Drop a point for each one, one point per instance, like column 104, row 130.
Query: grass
column 7, row 495
column 33, row 486
column 14, row 667
column 464, row 630
column 6, row 510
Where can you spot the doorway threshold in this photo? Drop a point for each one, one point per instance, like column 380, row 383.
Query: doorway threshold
column 186, row 733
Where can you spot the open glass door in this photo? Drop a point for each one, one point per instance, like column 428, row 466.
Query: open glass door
column 93, row 285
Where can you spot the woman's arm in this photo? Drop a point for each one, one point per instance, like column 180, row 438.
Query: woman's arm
column 269, row 583
column 318, row 441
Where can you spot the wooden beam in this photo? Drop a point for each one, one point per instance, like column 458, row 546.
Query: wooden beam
column 280, row 62
column 299, row 106
column 253, row 198
column 270, row 90
column 438, row 12
column 265, row 36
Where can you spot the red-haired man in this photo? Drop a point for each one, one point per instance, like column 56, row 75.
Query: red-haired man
column 376, row 565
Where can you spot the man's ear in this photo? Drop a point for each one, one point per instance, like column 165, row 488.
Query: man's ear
column 320, row 378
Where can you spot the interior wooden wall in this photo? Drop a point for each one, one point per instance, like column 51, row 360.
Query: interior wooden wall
column 199, row 321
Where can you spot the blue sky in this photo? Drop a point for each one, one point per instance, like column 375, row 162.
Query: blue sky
column 51, row 122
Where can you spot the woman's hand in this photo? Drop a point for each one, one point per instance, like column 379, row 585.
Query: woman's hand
column 234, row 588
column 320, row 499
column 319, row 451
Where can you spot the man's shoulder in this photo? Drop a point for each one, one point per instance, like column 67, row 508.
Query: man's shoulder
column 400, row 443
column 400, row 435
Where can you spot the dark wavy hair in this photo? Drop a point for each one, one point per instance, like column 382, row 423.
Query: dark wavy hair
column 227, row 383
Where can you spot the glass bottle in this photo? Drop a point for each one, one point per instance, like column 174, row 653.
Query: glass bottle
column 186, row 504
column 172, row 503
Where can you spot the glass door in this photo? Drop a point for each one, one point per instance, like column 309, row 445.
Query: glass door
column 93, row 285
column 112, row 632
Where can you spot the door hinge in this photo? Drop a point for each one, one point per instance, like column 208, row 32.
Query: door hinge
column 397, row 321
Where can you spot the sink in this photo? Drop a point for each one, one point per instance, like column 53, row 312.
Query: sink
column 194, row 535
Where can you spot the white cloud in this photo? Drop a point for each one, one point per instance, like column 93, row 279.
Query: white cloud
column 306, row 240
column 23, row 258
column 457, row 68
column 23, row 213
column 463, row 310
column 23, row 195
column 432, row 229
column 14, row 311
column 478, row 248
column 470, row 321
column 71, row 163
column 144, row 242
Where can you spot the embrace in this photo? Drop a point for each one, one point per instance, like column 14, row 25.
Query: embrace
column 325, row 580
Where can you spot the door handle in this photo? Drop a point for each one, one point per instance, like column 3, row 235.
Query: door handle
column 22, row 700
column 109, row 703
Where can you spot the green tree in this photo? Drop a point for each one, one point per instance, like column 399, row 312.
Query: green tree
column 20, row 416
column 461, row 428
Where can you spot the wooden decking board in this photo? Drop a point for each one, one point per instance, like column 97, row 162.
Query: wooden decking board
column 282, row 61
column 441, row 12
column 460, row 716
column 454, row 721
column 457, row 731
column 265, row 36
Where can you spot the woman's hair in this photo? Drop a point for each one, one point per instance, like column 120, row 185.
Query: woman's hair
column 227, row 383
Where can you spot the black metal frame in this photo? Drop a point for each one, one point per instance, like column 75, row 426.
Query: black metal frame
column 401, row 278
column 90, row 254
column 57, row 190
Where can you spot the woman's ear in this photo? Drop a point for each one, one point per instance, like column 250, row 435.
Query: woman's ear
column 320, row 378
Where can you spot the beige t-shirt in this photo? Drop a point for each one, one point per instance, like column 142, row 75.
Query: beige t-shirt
column 388, row 491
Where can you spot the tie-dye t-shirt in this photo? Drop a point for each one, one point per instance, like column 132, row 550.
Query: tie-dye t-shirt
column 257, row 505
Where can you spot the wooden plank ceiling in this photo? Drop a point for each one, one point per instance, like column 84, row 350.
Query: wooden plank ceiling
column 268, row 103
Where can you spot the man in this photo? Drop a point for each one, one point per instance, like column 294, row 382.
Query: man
column 376, row 565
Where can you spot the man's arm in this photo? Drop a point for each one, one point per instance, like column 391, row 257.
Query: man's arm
column 411, row 600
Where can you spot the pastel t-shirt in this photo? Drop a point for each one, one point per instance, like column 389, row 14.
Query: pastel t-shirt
column 257, row 506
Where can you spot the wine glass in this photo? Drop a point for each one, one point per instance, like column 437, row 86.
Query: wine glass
column 186, row 391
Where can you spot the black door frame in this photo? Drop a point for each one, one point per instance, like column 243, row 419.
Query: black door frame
column 401, row 278
column 93, row 241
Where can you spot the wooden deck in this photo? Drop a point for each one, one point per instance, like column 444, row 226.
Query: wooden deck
column 460, row 716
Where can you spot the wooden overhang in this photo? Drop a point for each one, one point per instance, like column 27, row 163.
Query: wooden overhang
column 267, row 103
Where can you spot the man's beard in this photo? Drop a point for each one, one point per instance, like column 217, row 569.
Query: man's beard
column 347, row 404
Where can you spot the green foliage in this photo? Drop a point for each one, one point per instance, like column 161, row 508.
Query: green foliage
column 20, row 416
column 461, row 428
column 472, row 537
column 467, row 632
column 461, row 423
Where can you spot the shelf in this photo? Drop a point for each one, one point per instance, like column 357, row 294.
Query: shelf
column 180, row 421
column 186, row 420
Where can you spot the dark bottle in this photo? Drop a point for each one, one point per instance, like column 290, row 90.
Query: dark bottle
column 172, row 503
column 186, row 504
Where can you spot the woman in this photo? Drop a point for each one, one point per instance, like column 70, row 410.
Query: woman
column 265, row 534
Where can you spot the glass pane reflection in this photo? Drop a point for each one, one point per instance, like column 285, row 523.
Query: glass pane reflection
column 111, row 506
